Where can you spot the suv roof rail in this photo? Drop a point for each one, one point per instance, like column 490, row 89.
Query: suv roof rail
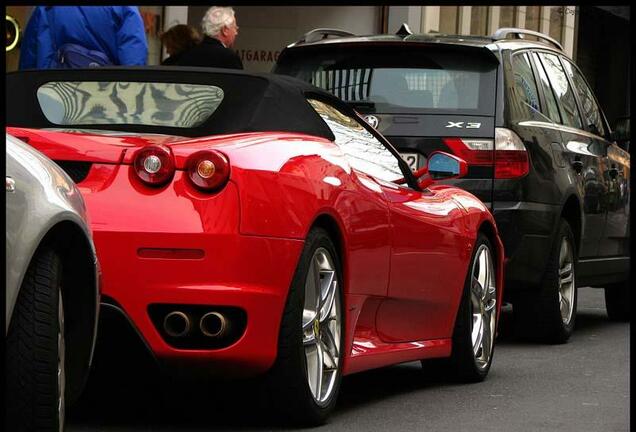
column 503, row 33
column 321, row 33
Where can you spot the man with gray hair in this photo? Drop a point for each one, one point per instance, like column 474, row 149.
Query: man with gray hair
column 219, row 30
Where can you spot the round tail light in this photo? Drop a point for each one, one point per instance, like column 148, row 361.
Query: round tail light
column 208, row 170
column 154, row 165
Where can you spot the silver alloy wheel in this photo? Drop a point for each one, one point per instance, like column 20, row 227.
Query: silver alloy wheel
column 483, row 299
column 566, row 281
column 61, row 369
column 321, row 325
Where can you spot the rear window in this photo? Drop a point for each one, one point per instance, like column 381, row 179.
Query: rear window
column 398, row 79
column 182, row 101
column 132, row 103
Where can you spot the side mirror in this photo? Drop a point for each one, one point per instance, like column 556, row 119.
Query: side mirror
column 443, row 166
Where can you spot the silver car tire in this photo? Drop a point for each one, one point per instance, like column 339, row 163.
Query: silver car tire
column 35, row 372
column 474, row 334
column 305, row 378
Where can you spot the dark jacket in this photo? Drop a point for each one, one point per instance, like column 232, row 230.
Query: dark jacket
column 117, row 31
column 210, row 53
column 172, row 60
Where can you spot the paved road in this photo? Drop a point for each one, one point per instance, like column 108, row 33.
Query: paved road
column 581, row 386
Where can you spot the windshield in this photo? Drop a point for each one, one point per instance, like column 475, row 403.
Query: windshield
column 398, row 79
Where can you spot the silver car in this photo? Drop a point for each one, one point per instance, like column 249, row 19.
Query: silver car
column 52, row 291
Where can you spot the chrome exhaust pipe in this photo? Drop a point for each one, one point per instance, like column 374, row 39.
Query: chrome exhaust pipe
column 214, row 324
column 177, row 324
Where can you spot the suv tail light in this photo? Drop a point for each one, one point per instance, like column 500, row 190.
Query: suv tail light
column 473, row 151
column 511, row 156
column 154, row 165
column 208, row 170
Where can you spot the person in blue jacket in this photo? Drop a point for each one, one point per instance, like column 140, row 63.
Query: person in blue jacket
column 116, row 31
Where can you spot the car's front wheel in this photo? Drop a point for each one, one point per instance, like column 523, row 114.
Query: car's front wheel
column 35, row 371
column 305, row 378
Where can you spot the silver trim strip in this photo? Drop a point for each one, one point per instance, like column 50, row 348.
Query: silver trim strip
column 561, row 128
column 525, row 205
column 604, row 259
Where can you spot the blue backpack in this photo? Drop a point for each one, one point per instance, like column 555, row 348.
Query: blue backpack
column 70, row 56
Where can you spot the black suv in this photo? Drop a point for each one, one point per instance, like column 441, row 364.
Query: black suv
column 540, row 152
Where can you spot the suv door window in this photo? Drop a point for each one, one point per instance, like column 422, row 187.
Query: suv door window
column 552, row 108
column 564, row 93
column 363, row 151
column 525, row 85
column 591, row 111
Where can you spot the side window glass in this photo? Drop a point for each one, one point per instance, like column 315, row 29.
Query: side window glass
column 363, row 151
column 591, row 111
column 525, row 86
column 562, row 89
column 551, row 109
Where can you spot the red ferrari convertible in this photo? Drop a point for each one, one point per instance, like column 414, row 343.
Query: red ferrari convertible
column 251, row 224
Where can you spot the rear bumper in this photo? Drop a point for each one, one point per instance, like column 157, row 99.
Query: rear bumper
column 250, row 273
column 526, row 230
column 173, row 245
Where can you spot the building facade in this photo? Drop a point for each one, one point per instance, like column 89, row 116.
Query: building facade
column 601, row 51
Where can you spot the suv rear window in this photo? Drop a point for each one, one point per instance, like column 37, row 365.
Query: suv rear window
column 398, row 78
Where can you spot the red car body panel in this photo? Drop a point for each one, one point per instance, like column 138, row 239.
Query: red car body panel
column 405, row 253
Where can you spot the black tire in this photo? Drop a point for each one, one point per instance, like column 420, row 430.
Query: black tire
column 537, row 315
column 33, row 349
column 463, row 364
column 617, row 301
column 288, row 392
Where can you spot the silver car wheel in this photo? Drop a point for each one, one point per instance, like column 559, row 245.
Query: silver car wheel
column 483, row 299
column 61, row 369
column 321, row 326
column 566, row 281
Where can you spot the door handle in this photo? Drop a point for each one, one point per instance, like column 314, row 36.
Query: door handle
column 578, row 166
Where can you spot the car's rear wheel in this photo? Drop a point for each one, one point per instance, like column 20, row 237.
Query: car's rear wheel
column 305, row 378
column 476, row 322
column 549, row 314
column 617, row 301
column 36, row 372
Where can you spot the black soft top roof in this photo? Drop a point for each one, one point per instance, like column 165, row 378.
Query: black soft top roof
column 251, row 103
